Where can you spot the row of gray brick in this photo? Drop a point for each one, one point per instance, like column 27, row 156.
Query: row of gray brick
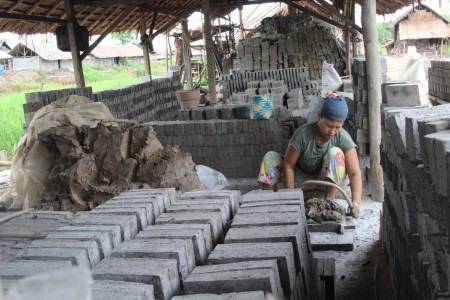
column 415, row 225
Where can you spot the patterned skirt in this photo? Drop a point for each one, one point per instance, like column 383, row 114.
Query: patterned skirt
column 333, row 167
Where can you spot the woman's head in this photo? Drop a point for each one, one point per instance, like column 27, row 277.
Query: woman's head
column 332, row 116
column 334, row 109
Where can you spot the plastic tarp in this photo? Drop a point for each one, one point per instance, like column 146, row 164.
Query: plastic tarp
column 31, row 163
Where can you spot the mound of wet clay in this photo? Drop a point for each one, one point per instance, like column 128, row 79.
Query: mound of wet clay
column 92, row 165
column 320, row 210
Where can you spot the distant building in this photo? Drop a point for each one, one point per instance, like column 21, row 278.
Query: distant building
column 49, row 57
column 115, row 55
column 43, row 56
column 423, row 28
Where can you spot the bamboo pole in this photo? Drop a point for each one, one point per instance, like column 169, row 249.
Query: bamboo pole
column 373, row 63
column 145, row 48
column 186, row 54
column 210, row 65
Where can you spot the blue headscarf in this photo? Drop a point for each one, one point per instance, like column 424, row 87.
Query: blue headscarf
column 334, row 109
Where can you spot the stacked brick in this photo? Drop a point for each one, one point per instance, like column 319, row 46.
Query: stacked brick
column 34, row 101
column 361, row 116
column 416, row 211
column 438, row 84
column 235, row 147
column 153, row 100
column 307, row 47
column 149, row 244
column 293, row 77
column 267, row 247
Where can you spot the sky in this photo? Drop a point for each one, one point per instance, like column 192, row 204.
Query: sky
column 252, row 14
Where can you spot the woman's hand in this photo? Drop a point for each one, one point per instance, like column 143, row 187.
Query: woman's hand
column 290, row 160
column 354, row 174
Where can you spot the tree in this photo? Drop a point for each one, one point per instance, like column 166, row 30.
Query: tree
column 126, row 37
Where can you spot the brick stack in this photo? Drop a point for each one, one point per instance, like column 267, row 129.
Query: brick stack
column 292, row 77
column 306, row 48
column 361, row 117
column 34, row 101
column 150, row 244
column 234, row 147
column 153, row 100
column 416, row 211
column 267, row 247
column 438, row 84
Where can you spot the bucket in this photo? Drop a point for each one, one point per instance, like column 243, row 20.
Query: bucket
column 188, row 99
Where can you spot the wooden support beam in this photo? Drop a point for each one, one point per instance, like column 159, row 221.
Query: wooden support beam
column 335, row 12
column 148, row 70
column 186, row 54
column 108, row 30
column 152, row 26
column 72, row 26
column 210, row 65
column 318, row 16
column 171, row 23
column 31, row 18
column 373, row 66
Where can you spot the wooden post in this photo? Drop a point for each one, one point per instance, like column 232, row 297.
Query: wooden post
column 167, row 50
column 373, row 66
column 186, row 53
column 72, row 27
column 144, row 46
column 210, row 65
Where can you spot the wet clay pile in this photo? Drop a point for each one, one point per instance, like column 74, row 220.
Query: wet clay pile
column 91, row 165
column 320, row 210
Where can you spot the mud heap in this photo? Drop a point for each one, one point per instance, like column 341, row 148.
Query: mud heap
column 91, row 165
column 320, row 210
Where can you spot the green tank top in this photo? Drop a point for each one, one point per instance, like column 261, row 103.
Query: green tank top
column 311, row 154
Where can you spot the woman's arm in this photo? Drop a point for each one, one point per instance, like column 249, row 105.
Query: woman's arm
column 354, row 174
column 290, row 160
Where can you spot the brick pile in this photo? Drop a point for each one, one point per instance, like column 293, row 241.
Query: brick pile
column 294, row 78
column 360, row 128
column 235, row 147
column 153, row 100
column 416, row 211
column 151, row 244
column 306, row 48
column 438, row 84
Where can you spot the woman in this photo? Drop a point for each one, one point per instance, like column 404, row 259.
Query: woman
column 322, row 150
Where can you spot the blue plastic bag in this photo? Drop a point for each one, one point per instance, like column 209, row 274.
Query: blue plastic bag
column 261, row 107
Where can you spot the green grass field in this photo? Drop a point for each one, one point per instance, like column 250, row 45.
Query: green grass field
column 12, row 96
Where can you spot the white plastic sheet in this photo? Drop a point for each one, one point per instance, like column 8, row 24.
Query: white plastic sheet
column 31, row 163
column 211, row 179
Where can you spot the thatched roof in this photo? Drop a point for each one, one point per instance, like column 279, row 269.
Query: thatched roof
column 46, row 51
column 422, row 22
column 42, row 16
column 105, row 51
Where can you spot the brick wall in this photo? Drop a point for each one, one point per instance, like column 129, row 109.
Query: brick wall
column 438, row 83
column 153, row 100
column 416, row 210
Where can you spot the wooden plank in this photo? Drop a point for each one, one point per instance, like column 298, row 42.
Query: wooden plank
column 332, row 241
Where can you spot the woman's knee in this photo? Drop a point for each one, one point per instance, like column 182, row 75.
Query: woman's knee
column 333, row 151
